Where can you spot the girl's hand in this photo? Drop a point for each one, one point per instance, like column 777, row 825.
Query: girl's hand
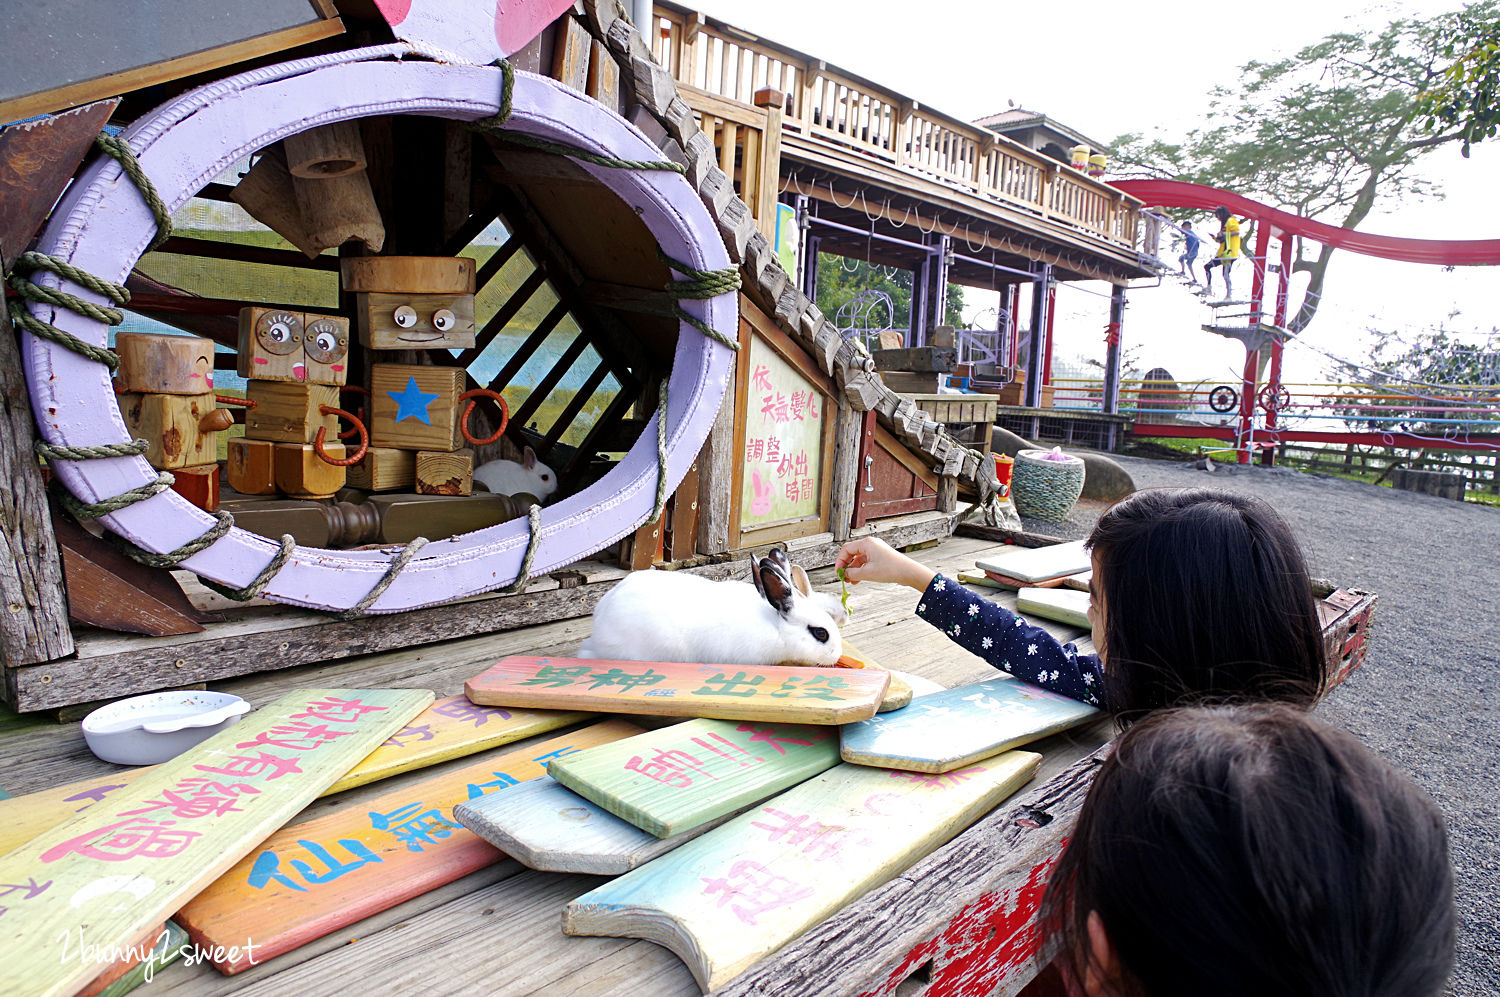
column 872, row 560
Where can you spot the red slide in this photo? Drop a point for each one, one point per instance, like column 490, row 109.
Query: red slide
column 1445, row 252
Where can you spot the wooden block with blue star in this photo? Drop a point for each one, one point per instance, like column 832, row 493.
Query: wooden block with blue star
column 415, row 406
column 726, row 900
column 952, row 728
column 680, row 777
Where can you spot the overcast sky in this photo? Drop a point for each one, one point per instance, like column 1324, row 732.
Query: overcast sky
column 1108, row 68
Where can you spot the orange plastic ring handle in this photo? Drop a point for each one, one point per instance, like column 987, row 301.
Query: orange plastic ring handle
column 364, row 438
column 471, row 397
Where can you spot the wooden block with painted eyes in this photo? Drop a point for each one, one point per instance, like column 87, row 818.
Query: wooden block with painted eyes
column 278, row 345
column 326, row 342
column 412, row 302
column 164, row 364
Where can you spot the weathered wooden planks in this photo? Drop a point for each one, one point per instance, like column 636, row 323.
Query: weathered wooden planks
column 315, row 877
column 544, row 825
column 1065, row 605
column 726, row 900
column 163, row 838
column 950, row 729
column 449, row 728
column 1038, row 564
column 790, row 694
column 677, row 778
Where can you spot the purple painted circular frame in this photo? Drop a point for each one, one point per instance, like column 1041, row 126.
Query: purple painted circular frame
column 103, row 226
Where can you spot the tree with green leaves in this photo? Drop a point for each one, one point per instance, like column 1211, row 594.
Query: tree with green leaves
column 840, row 279
column 1435, row 367
column 1326, row 133
column 1468, row 97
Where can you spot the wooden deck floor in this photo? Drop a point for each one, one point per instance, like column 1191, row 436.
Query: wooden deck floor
column 498, row 931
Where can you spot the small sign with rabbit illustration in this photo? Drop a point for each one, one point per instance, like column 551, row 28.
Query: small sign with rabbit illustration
column 666, row 688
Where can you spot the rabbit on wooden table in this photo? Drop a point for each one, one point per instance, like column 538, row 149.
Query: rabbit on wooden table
column 674, row 616
column 509, row 477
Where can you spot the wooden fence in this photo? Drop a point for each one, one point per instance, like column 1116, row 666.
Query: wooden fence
column 835, row 109
column 1481, row 471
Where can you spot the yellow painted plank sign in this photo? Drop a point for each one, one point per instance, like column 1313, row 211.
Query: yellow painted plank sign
column 104, row 877
column 776, row 693
column 323, row 874
column 450, row 728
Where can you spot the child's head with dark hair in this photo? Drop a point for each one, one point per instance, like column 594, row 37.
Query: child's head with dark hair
column 1204, row 597
column 1250, row 850
column 1187, row 224
column 1221, row 213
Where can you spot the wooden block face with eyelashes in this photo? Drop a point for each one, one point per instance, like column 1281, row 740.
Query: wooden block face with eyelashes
column 278, row 345
column 415, row 321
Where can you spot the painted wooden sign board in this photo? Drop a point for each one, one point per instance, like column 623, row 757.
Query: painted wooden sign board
column 1037, row 564
column 544, row 825
column 726, row 900
column 162, row 839
column 449, row 728
column 679, row 777
column 783, row 441
column 950, row 729
column 1064, row 605
column 1010, row 584
column 324, row 874
column 777, row 693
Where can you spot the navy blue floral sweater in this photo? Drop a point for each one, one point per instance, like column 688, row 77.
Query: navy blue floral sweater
column 1008, row 642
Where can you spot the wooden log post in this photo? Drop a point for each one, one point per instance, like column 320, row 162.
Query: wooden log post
column 848, row 432
column 763, row 200
column 34, row 612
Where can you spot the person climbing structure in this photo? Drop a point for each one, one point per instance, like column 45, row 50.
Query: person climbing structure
column 1228, row 238
column 1189, row 252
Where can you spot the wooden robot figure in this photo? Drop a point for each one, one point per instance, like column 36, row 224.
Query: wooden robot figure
column 294, row 364
column 165, row 387
column 417, row 433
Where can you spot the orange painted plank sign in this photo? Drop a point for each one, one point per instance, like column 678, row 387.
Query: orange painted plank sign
column 160, row 840
column 449, row 728
column 324, row 874
column 776, row 693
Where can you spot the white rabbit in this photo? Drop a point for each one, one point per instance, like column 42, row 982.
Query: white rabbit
column 674, row 616
column 509, row 477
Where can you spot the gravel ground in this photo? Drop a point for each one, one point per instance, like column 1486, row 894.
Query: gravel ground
column 1427, row 698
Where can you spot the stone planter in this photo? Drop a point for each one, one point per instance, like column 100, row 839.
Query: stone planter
column 1046, row 489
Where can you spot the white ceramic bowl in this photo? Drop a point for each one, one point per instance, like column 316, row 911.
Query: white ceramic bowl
column 145, row 730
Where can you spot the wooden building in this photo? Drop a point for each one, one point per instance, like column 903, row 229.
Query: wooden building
column 604, row 284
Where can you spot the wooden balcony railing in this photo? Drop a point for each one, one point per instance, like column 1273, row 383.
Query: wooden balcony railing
column 856, row 116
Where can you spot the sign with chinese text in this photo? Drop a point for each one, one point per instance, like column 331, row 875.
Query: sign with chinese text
column 545, row 826
column 672, row 689
column 724, row 901
column 449, row 728
column 783, row 455
column 674, row 779
column 130, row 862
column 952, row 728
column 324, row 874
